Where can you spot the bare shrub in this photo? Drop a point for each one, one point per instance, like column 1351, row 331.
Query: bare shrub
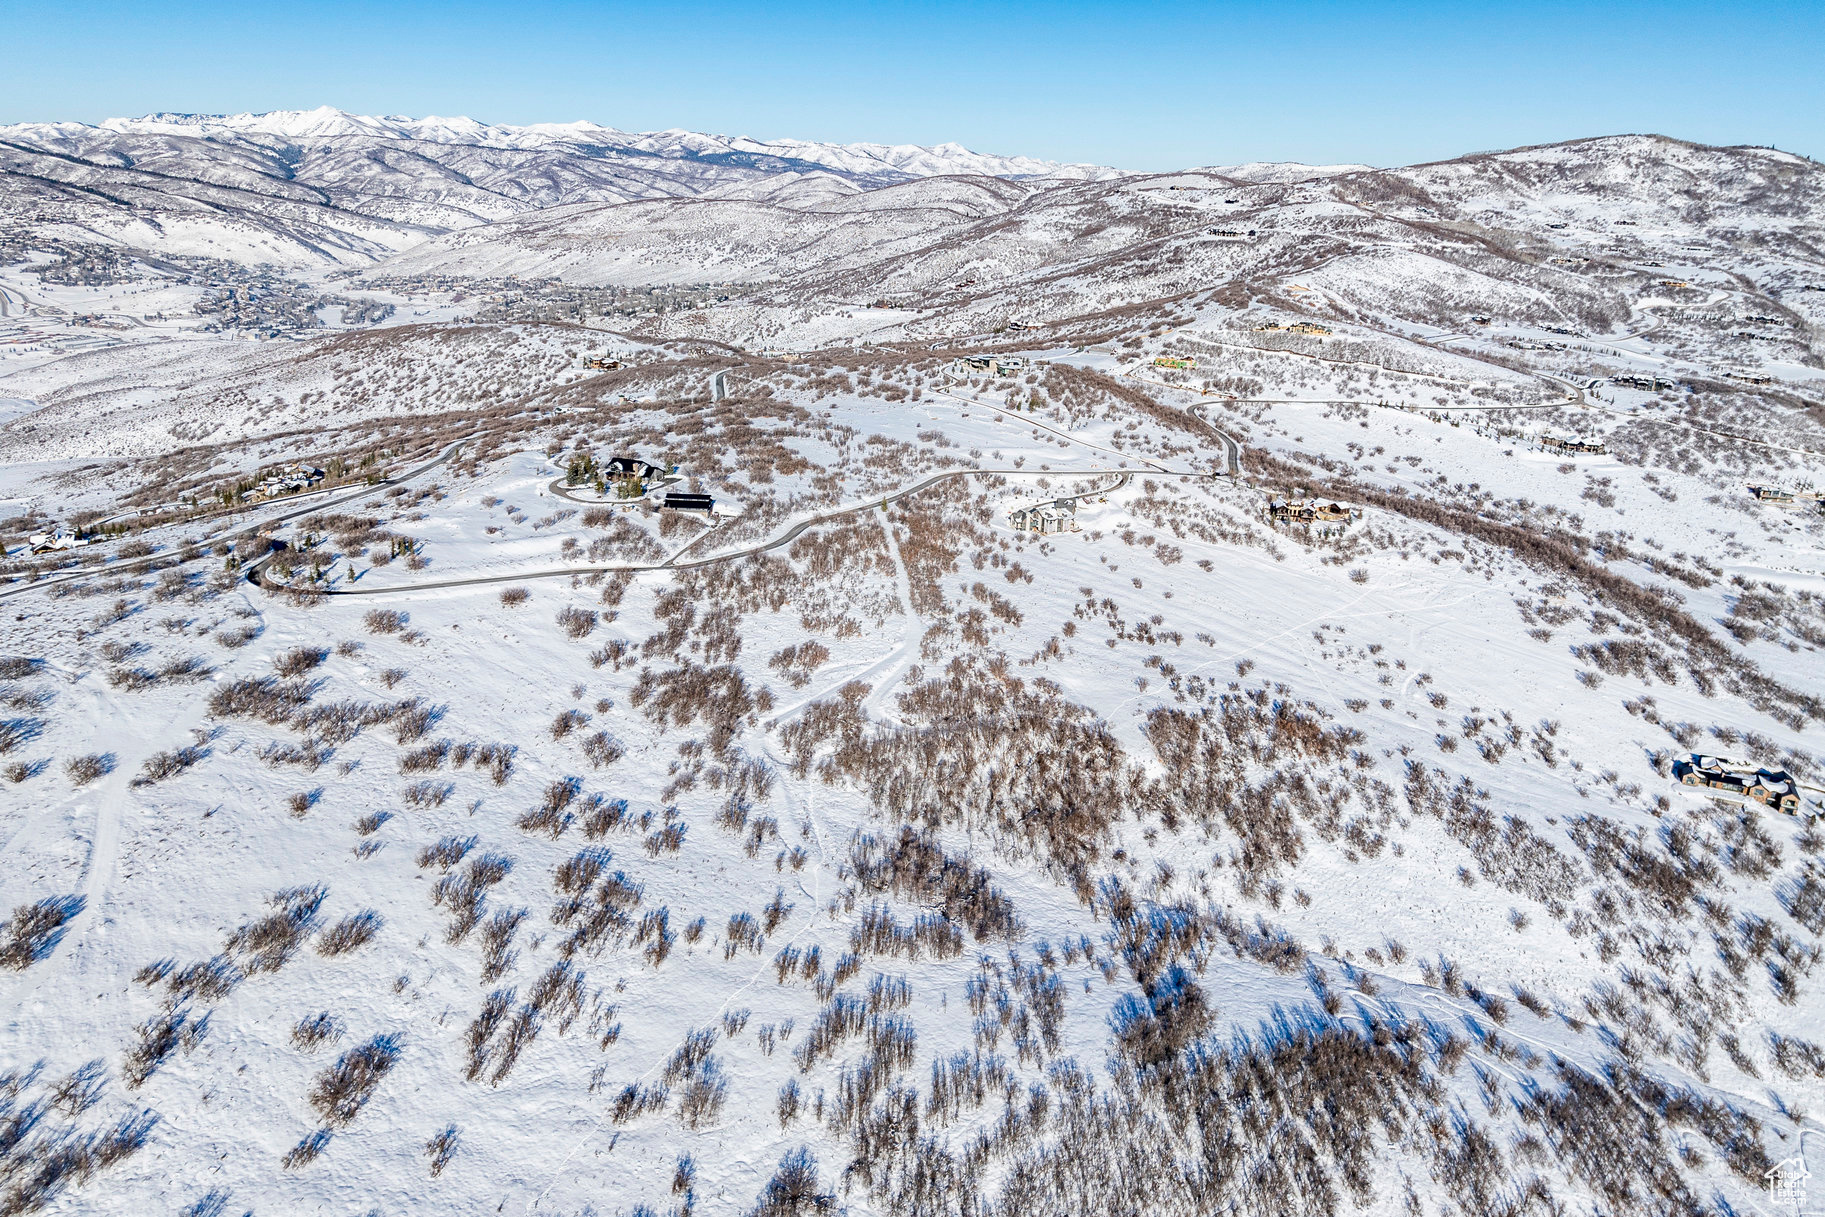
column 441, row 1148
column 86, row 769
column 306, row 1151
column 384, row 621
column 513, row 597
column 342, row 1090
column 577, row 623
column 352, row 932
column 159, row 1037
column 497, row 943
column 428, row 794
column 34, row 930
column 445, row 852
column 315, row 1030
column 17, row 731
column 265, row 698
column 266, row 944
column 465, row 893
column 162, row 765
column 794, row 1190
column 298, row 661
column 552, row 815
column 797, row 663
column 602, row 749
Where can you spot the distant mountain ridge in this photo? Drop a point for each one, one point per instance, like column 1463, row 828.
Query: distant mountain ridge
column 298, row 187
column 892, row 161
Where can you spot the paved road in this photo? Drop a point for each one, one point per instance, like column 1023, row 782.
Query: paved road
column 1232, row 450
column 786, row 538
column 192, row 550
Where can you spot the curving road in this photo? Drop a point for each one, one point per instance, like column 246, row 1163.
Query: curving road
column 792, row 534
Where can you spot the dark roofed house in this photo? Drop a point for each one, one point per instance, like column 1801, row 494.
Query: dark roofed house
column 679, row 501
column 630, row 466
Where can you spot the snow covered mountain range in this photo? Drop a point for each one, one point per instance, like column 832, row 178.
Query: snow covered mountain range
column 363, row 185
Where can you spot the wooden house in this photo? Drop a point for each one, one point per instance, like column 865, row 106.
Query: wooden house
column 1327, row 519
column 1773, row 788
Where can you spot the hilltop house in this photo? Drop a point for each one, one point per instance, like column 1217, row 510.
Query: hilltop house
column 1773, row 788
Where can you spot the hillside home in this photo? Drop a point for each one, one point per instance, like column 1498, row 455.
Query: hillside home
column 602, row 365
column 1773, row 788
column 1572, row 446
column 993, row 365
column 290, row 480
column 1327, row 519
column 1308, row 327
column 51, row 542
column 1182, row 363
column 1055, row 515
column 633, row 467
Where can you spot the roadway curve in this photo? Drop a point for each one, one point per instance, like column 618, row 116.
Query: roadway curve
column 792, row 534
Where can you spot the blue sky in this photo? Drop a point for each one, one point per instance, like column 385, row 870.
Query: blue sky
column 1142, row 86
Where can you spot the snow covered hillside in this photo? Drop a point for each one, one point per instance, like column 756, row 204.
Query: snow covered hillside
column 877, row 681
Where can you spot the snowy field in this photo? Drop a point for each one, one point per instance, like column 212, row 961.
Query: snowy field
column 463, row 835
